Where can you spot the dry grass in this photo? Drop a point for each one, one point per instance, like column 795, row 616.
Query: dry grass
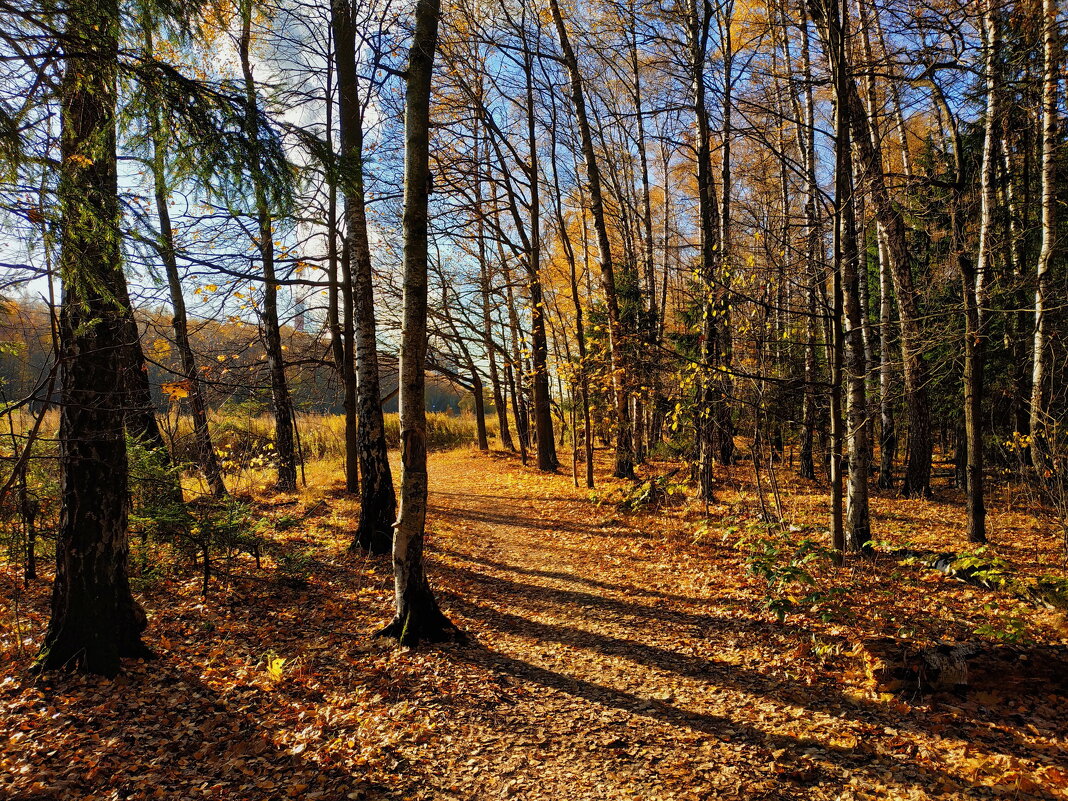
column 322, row 436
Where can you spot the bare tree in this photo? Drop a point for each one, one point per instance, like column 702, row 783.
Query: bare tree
column 624, row 465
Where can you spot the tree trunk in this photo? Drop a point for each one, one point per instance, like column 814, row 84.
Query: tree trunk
column 140, row 409
column 806, row 144
column 833, row 20
column 1043, row 276
column 643, row 437
column 418, row 617
column 973, row 287
column 887, row 431
column 918, row 468
column 699, row 19
column 543, row 421
column 95, row 620
column 624, row 466
column 858, row 518
column 514, row 370
column 499, row 402
column 583, row 378
column 378, row 508
column 724, row 419
column 207, row 460
column 272, row 338
column 339, row 278
column 481, row 436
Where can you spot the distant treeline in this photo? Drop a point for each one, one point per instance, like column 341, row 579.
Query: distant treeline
column 232, row 358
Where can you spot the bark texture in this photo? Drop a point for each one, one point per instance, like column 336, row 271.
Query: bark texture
column 1040, row 355
column 95, row 620
column 889, row 218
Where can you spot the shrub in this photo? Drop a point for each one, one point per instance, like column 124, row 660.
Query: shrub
column 786, row 563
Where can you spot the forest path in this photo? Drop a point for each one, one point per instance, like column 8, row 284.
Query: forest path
column 610, row 656
column 626, row 664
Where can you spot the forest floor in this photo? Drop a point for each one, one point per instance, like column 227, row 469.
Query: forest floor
column 609, row 655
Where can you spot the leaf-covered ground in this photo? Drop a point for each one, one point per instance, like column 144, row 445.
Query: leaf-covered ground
column 611, row 655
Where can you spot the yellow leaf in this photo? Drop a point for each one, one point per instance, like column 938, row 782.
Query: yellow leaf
column 176, row 389
column 276, row 668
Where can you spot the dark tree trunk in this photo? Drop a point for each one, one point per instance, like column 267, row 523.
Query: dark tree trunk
column 698, row 21
column 499, row 402
column 514, row 371
column 95, row 620
column 139, row 410
column 350, row 403
column 339, row 278
column 282, row 403
column 960, row 457
column 806, row 144
column 207, row 460
column 543, row 420
column 832, row 15
column 973, row 280
column 724, row 428
column 481, row 435
column 624, row 467
column 29, row 508
column 870, row 163
column 582, row 378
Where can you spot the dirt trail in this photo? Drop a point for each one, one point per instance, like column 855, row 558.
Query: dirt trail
column 626, row 668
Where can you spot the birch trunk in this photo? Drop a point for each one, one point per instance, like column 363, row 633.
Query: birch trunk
column 418, row 617
column 1040, row 355
column 377, row 500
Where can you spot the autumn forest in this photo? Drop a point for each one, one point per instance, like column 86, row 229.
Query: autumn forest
column 530, row 399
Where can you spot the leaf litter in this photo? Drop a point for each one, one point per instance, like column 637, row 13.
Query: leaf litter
column 611, row 655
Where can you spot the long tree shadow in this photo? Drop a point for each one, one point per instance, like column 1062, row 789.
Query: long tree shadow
column 509, row 518
column 479, row 496
column 840, row 762
column 555, row 597
column 822, row 697
column 629, row 589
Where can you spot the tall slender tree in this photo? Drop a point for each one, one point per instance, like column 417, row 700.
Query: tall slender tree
column 282, row 402
column 624, row 464
column 377, row 500
column 417, row 616
column 1043, row 274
